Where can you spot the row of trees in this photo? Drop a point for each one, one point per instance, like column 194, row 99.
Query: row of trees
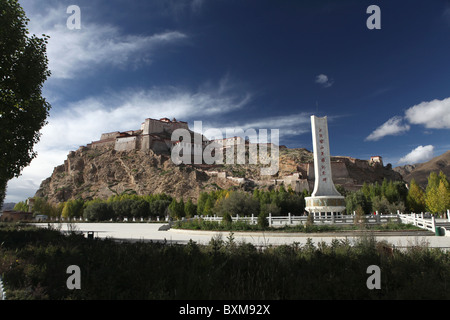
column 277, row 202
column 115, row 207
column 221, row 202
column 391, row 196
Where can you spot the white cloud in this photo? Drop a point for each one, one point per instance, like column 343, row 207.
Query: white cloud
column 73, row 53
column 418, row 155
column 446, row 14
column 288, row 125
column 84, row 121
column 40, row 168
column 433, row 114
column 323, row 80
column 196, row 5
column 393, row 126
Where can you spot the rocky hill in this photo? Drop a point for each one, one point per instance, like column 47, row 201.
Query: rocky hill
column 101, row 172
column 421, row 171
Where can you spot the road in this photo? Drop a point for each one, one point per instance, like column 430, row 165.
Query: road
column 149, row 232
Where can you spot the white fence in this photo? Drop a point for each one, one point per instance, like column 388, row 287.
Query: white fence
column 419, row 220
column 2, row 290
column 301, row 220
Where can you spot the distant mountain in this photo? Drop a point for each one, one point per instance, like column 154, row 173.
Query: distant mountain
column 421, row 171
column 8, row 206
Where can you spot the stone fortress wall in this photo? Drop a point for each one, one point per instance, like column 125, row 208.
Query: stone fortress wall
column 156, row 134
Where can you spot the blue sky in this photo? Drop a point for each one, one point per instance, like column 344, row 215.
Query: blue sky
column 247, row 64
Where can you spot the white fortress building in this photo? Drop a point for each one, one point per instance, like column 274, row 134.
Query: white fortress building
column 153, row 135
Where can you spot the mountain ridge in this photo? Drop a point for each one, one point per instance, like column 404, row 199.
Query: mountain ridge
column 420, row 171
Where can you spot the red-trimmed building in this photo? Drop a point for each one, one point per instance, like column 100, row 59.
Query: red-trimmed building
column 14, row 216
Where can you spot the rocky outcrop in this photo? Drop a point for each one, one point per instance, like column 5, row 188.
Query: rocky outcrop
column 101, row 172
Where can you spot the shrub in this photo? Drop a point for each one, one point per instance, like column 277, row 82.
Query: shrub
column 263, row 223
column 33, row 266
column 227, row 219
column 98, row 211
column 140, row 209
column 159, row 207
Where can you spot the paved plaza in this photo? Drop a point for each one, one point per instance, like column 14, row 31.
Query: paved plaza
column 150, row 232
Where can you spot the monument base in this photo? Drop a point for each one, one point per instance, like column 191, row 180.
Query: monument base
column 325, row 205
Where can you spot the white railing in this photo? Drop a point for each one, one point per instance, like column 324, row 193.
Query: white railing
column 301, row 220
column 419, row 220
column 2, row 290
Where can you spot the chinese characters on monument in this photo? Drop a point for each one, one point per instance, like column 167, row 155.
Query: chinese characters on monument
column 324, row 198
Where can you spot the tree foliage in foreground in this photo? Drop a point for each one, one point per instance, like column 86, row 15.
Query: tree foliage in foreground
column 23, row 110
column 34, row 263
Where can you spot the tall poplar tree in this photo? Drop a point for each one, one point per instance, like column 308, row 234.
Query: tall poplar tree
column 415, row 200
column 23, row 110
column 438, row 193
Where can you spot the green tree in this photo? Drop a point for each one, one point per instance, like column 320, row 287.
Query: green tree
column 21, row 206
column 190, row 209
column 432, row 200
column 176, row 209
column 98, row 211
column 23, row 110
column 355, row 199
column 121, row 208
column 443, row 192
column 415, row 200
column 444, row 179
column 263, row 223
column 209, row 206
column 139, row 208
column 433, row 181
column 294, row 204
column 264, row 198
column 380, row 204
column 42, row 206
column 227, row 219
column 159, row 208
column 257, row 194
column 271, row 208
column 72, row 209
column 238, row 203
column 437, row 193
column 201, row 202
column 340, row 188
column 366, row 190
column 360, row 219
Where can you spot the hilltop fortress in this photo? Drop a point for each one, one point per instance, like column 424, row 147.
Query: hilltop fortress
column 157, row 135
column 140, row 161
column 154, row 135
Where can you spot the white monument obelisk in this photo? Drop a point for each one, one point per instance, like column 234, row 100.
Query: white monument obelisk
column 325, row 199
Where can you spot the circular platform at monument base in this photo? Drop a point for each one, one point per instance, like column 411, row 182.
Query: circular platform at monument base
column 325, row 204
